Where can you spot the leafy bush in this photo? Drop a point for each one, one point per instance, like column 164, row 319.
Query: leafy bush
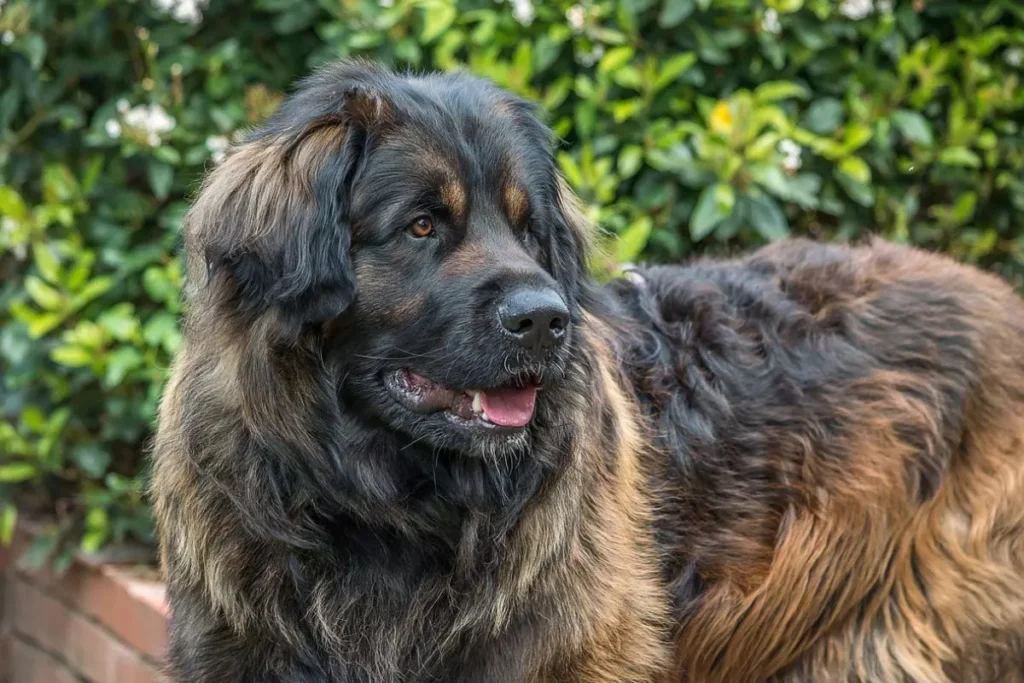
column 688, row 126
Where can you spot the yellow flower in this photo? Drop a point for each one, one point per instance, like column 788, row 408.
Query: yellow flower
column 721, row 119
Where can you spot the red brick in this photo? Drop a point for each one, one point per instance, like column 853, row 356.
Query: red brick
column 130, row 668
column 37, row 615
column 5, row 657
column 30, row 665
column 124, row 605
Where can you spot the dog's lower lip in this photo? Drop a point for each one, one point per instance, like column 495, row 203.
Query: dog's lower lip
column 510, row 407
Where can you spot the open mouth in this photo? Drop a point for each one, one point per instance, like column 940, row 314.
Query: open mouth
column 506, row 407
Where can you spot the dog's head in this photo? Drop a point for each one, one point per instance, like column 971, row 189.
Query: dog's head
column 419, row 226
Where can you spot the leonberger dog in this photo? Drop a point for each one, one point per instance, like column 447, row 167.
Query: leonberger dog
column 408, row 439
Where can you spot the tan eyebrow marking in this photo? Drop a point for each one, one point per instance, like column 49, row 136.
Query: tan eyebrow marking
column 453, row 194
column 516, row 203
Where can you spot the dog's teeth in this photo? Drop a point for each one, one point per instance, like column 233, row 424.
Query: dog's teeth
column 478, row 404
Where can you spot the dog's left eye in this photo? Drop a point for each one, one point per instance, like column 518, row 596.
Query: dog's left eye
column 422, row 227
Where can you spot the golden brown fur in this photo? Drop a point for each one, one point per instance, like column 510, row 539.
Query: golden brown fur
column 897, row 554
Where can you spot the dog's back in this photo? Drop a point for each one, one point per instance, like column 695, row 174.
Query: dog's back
column 842, row 471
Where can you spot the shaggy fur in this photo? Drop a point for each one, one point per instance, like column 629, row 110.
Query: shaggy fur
column 802, row 465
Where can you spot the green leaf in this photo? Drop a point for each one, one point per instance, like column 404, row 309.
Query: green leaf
column 615, row 58
column 571, row 169
column 93, row 290
column 168, row 155
column 92, row 459
column 632, row 240
column 120, row 322
column 57, row 421
column 59, row 184
column 158, row 285
column 857, row 191
column 79, row 273
column 46, row 262
column 11, row 204
column 43, row 324
column 624, row 109
column 8, row 523
column 72, row 356
column 630, row 159
column 32, row 46
column 161, row 177
column 767, row 218
column 964, row 207
column 857, row 135
column 17, row 472
column 43, row 294
column 62, row 563
column 775, row 91
column 824, row 116
column 121, row 362
column 628, row 77
column 162, row 330
column 857, row 169
column 41, row 548
column 725, row 198
column 673, row 68
column 786, row 6
column 914, row 126
column 586, row 116
column 438, row 16
column 93, row 540
column 33, row 420
column 960, row 156
column 674, row 12
column 709, row 211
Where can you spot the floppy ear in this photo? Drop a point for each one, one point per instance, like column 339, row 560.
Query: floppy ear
column 270, row 230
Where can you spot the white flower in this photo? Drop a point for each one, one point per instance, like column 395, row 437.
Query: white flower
column 770, row 23
column 387, row 3
column 855, row 9
column 113, row 128
column 1014, row 56
column 791, row 153
column 123, row 106
column 151, row 120
column 7, row 38
column 576, row 16
column 184, row 11
column 883, row 6
column 218, row 145
column 522, row 10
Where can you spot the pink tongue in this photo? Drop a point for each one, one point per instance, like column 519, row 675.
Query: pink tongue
column 509, row 407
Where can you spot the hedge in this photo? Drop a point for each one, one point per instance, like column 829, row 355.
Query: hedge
column 687, row 126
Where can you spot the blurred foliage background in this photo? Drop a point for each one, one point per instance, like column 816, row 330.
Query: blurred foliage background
column 688, row 126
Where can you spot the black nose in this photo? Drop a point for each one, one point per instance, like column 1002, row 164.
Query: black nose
column 536, row 318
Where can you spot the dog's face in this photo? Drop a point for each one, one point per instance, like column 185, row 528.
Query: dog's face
column 430, row 236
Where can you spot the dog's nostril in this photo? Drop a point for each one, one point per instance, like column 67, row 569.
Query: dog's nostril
column 520, row 325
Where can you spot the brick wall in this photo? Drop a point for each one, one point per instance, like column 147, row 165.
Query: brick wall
column 95, row 624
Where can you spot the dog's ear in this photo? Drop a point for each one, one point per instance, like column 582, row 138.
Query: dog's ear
column 270, row 229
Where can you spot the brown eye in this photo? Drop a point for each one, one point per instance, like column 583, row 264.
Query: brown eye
column 422, row 227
